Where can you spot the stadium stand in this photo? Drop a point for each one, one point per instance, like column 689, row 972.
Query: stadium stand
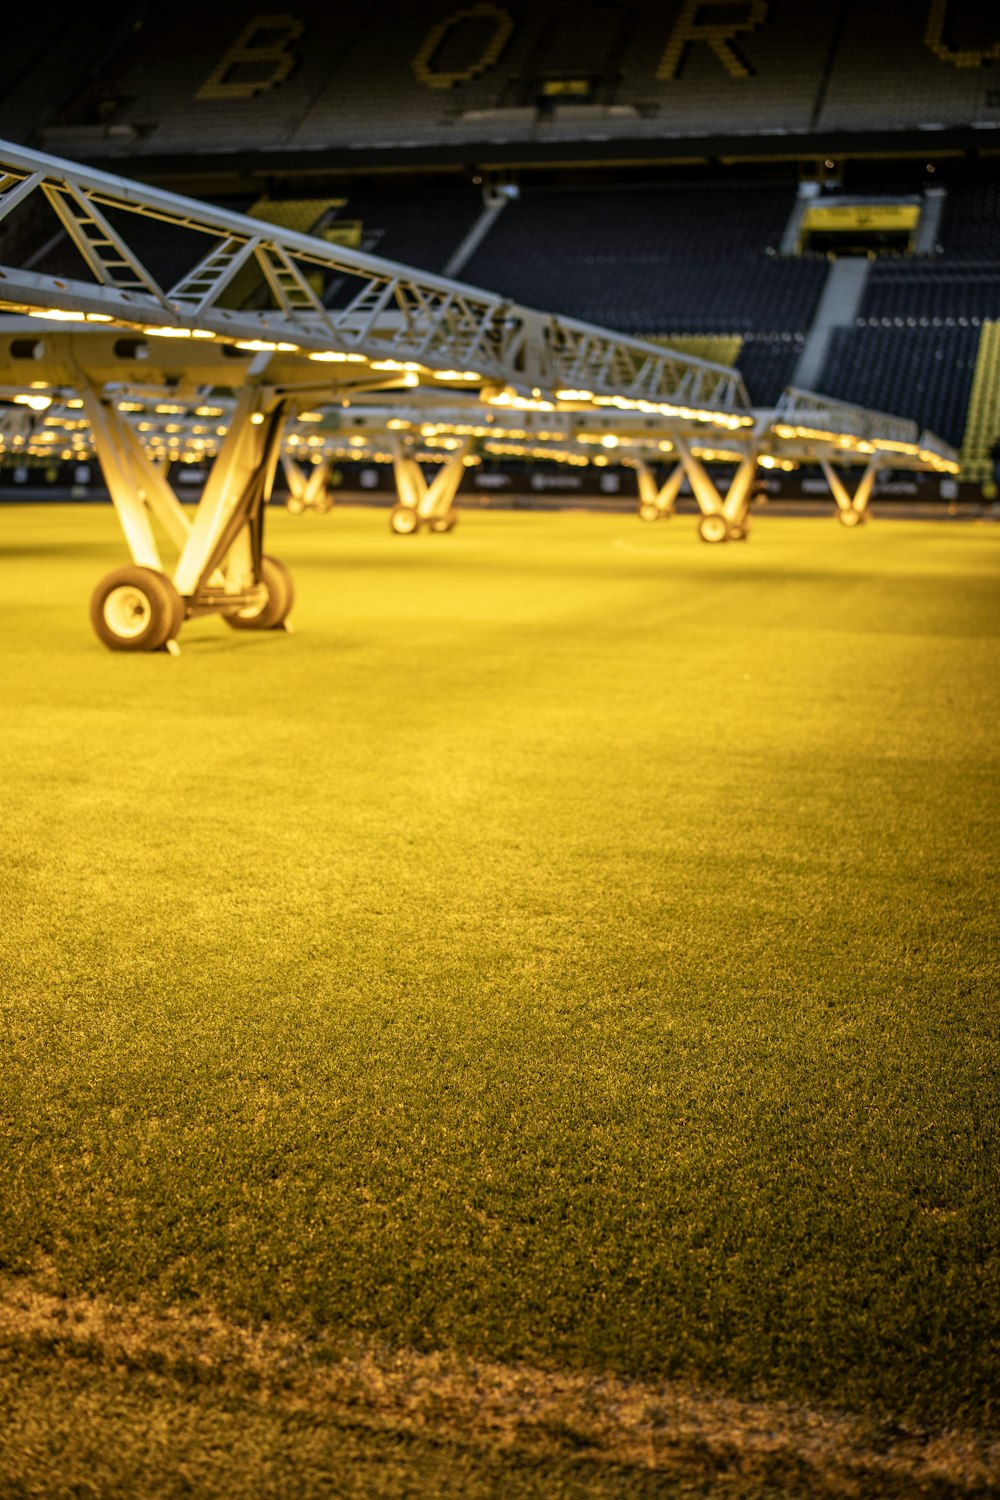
column 922, row 373
column 693, row 259
column 921, row 292
column 982, row 428
column 970, row 223
column 48, row 54
column 767, row 363
column 391, row 75
column 420, row 229
column 900, row 66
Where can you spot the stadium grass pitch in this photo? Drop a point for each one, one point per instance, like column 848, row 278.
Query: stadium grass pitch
column 573, row 950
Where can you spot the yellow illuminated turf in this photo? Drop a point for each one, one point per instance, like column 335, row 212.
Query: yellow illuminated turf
column 574, row 945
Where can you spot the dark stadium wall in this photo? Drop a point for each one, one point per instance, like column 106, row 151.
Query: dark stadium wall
column 50, row 55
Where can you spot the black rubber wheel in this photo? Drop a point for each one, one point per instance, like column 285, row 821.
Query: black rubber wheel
column 403, row 520
column 713, row 528
column 850, row 518
column 276, row 607
column 179, row 613
column 648, row 511
column 440, row 524
column 136, row 609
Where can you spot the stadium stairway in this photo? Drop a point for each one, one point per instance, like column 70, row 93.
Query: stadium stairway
column 838, row 307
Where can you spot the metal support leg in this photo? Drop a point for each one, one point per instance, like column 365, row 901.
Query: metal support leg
column 737, row 501
column 421, row 503
column 307, row 489
column 222, row 553
column 135, row 608
column 437, row 505
column 658, row 502
column 852, row 510
column 404, row 518
column 722, row 519
column 138, row 489
column 708, row 498
column 413, row 486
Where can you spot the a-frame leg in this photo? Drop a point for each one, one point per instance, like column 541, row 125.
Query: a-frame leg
column 852, row 510
column 138, row 486
column 656, row 502
column 308, row 489
column 423, row 504
column 221, row 566
column 723, row 518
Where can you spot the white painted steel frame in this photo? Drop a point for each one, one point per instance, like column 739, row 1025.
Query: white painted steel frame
column 409, row 324
column 413, row 325
column 827, row 414
column 657, row 500
column 307, row 488
column 395, row 312
column 847, row 504
column 430, row 501
column 380, row 425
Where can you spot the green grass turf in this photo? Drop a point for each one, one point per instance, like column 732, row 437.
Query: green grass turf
column 572, row 946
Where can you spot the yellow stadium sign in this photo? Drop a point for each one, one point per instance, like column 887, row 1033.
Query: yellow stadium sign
column 894, row 218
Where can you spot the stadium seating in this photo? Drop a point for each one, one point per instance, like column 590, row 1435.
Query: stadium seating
column 419, row 229
column 900, row 66
column 917, row 292
column 922, row 373
column 767, row 363
column 389, row 74
column 652, row 258
column 47, row 51
column 982, row 427
column 970, row 225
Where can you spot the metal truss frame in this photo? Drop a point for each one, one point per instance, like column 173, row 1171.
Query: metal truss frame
column 449, row 437
column 806, row 413
column 385, row 327
column 427, row 325
column 832, row 434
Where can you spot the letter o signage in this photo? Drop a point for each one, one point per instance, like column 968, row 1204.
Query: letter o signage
column 434, row 78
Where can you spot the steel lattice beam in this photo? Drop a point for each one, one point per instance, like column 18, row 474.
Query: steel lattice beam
column 398, row 328
column 393, row 313
column 419, row 414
